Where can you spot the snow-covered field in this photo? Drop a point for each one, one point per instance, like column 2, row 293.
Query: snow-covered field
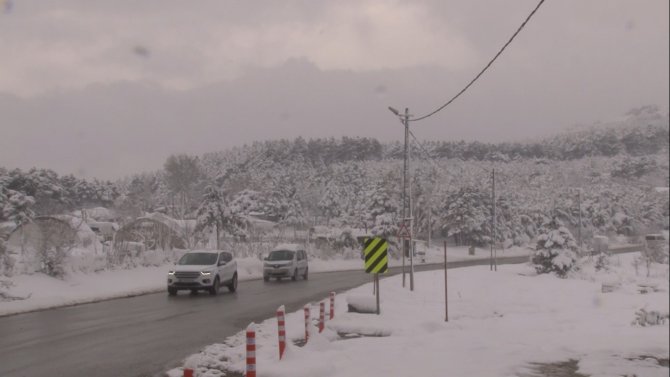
column 37, row 291
column 500, row 324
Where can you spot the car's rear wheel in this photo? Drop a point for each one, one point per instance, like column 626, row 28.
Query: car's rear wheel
column 214, row 289
column 172, row 292
column 232, row 287
column 295, row 275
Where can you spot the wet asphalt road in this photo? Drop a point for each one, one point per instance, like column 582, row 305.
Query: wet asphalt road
column 147, row 335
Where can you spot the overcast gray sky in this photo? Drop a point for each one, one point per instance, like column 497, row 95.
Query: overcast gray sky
column 109, row 88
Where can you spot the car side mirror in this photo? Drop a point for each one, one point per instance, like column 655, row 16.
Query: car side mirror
column 265, row 258
column 222, row 263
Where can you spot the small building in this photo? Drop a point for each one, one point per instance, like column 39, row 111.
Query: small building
column 156, row 231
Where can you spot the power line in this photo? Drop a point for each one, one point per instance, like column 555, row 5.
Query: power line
column 428, row 157
column 485, row 68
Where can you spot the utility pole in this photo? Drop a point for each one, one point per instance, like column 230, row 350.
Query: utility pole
column 446, row 292
column 579, row 200
column 407, row 205
column 495, row 251
column 579, row 205
column 406, row 201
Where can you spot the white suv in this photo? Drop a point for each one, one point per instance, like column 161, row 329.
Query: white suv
column 203, row 270
column 286, row 261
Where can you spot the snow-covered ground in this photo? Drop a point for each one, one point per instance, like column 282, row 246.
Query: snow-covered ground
column 500, row 324
column 37, row 291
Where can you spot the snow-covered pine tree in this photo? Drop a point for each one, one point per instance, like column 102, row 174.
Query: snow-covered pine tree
column 380, row 200
column 556, row 249
column 467, row 215
column 330, row 203
column 213, row 213
column 18, row 207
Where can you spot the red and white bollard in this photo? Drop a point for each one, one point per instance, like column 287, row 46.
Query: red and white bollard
column 188, row 372
column 281, row 327
column 332, row 305
column 251, row 350
column 322, row 315
column 307, row 319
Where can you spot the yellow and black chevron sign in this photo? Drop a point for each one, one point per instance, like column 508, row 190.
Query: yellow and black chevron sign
column 376, row 255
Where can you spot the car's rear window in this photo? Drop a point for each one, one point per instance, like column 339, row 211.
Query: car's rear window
column 198, row 259
column 281, row 255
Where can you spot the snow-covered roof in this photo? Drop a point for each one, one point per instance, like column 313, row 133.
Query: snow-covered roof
column 260, row 223
column 289, row 246
column 7, row 226
column 178, row 226
column 334, row 232
column 80, row 227
column 96, row 214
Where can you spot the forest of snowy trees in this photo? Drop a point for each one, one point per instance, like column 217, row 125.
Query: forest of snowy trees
column 610, row 170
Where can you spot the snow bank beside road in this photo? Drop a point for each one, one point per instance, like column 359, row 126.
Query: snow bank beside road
column 500, row 323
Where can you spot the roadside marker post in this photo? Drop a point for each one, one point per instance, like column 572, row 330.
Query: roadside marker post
column 446, row 295
column 322, row 315
column 332, row 305
column 307, row 319
column 376, row 261
column 281, row 328
column 251, row 350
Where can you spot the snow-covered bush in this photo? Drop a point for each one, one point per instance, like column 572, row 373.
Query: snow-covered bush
column 602, row 262
column 384, row 226
column 649, row 318
column 651, row 255
column 556, row 249
column 6, row 261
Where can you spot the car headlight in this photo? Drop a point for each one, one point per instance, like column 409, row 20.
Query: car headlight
column 205, row 273
column 170, row 272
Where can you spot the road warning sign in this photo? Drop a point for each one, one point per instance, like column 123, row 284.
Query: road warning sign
column 376, row 255
column 403, row 231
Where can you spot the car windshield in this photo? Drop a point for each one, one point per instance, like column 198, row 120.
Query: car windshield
column 281, row 255
column 198, row 259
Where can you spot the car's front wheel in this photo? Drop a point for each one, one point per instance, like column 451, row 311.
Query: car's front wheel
column 306, row 275
column 172, row 292
column 232, row 287
column 214, row 289
column 295, row 275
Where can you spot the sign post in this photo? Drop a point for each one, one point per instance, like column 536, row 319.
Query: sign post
column 404, row 236
column 376, row 261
